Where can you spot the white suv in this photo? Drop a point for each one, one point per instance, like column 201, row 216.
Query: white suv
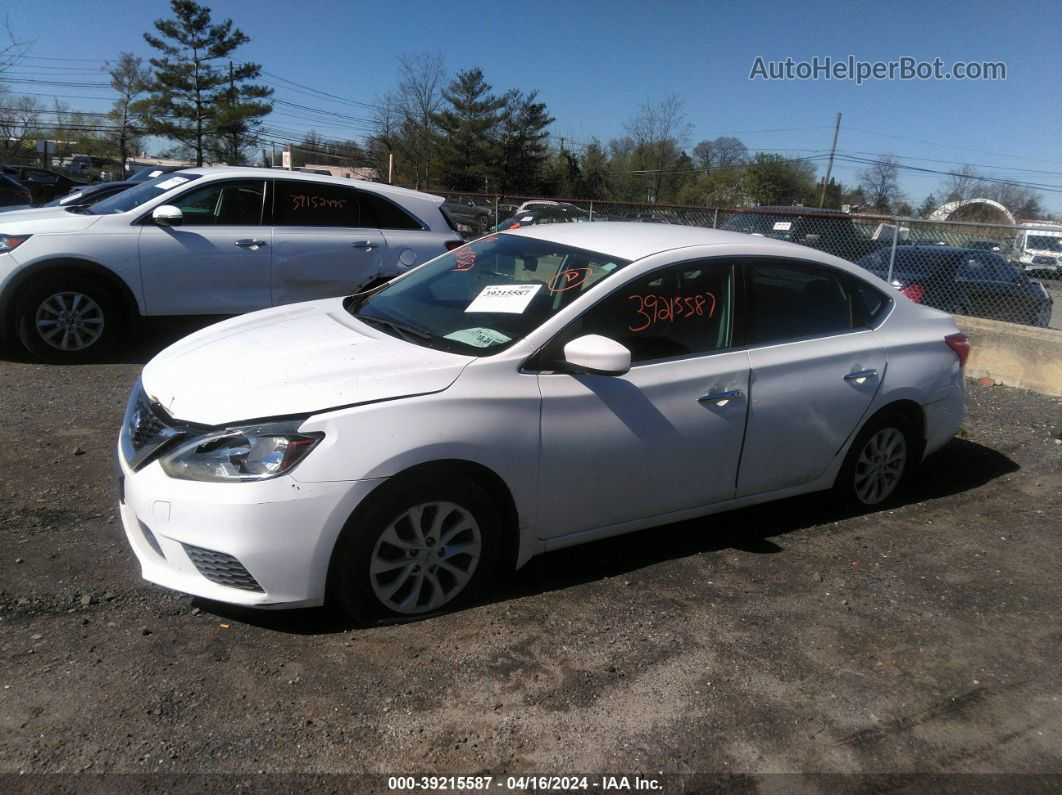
column 203, row 241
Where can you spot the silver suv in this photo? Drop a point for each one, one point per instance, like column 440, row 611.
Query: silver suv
column 203, row 241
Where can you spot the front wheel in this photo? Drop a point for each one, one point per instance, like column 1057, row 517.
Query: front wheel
column 68, row 319
column 878, row 464
column 425, row 545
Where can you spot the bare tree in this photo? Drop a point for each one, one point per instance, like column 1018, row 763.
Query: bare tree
column 20, row 123
column 129, row 79
column 962, row 185
column 880, row 182
column 723, row 152
column 659, row 131
column 418, row 101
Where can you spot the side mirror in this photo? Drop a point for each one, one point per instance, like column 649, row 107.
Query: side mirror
column 597, row 355
column 167, row 215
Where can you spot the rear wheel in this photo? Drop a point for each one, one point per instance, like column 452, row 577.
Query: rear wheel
column 423, row 546
column 68, row 319
column 879, row 462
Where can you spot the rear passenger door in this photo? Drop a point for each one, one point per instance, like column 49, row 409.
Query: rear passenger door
column 321, row 245
column 815, row 367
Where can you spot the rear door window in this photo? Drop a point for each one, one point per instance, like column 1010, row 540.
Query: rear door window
column 304, row 203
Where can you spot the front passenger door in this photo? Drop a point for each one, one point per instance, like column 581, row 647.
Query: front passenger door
column 217, row 260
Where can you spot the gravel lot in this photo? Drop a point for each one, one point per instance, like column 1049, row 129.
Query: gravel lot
column 784, row 638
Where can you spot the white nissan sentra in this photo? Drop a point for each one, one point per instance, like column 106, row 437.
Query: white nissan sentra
column 526, row 392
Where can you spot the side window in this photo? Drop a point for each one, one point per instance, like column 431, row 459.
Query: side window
column 223, row 203
column 679, row 311
column 304, row 203
column 870, row 304
column 379, row 213
column 789, row 300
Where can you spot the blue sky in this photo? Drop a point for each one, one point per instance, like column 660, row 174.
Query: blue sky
column 595, row 62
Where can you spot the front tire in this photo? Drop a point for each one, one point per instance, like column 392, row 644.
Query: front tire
column 68, row 319
column 423, row 546
column 879, row 463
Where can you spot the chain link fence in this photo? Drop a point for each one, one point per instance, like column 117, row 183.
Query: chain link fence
column 996, row 271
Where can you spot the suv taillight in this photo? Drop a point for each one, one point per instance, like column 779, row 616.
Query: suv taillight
column 915, row 292
column 960, row 344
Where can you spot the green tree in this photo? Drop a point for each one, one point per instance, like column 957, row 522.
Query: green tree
column 593, row 182
column 928, row 205
column 467, row 130
column 128, row 79
column 773, row 179
column 522, row 143
column 194, row 100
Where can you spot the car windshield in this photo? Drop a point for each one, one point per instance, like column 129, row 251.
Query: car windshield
column 1044, row 243
column 482, row 297
column 134, row 197
column 764, row 224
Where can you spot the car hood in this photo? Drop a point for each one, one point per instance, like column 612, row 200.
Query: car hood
column 296, row 359
column 44, row 220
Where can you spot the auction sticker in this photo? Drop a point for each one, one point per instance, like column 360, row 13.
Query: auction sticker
column 510, row 298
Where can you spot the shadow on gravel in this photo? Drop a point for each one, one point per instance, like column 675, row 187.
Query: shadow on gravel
column 149, row 336
column 959, row 467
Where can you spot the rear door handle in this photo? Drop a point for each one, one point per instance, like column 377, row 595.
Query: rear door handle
column 861, row 376
column 249, row 243
column 368, row 245
column 721, row 398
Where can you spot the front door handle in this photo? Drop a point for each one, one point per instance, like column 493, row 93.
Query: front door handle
column 250, row 243
column 861, row 376
column 368, row 245
column 721, row 398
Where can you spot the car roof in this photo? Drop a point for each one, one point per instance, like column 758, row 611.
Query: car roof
column 282, row 173
column 633, row 241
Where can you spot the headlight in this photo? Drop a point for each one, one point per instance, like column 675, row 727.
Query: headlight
column 257, row 452
column 11, row 242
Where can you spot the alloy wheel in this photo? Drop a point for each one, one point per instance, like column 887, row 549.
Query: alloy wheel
column 425, row 558
column 69, row 321
column 880, row 466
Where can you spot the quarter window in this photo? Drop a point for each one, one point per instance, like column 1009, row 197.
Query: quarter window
column 379, row 213
column 788, row 300
column 679, row 311
column 223, row 204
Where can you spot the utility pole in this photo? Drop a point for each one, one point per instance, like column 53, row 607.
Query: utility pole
column 829, row 165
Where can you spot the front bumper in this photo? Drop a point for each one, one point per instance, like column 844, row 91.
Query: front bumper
column 263, row 544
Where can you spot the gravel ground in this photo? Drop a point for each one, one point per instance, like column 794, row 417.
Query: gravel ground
column 780, row 639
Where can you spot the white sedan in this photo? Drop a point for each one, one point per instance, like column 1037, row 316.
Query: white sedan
column 526, row 392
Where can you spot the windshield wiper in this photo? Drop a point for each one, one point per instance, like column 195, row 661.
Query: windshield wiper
column 401, row 329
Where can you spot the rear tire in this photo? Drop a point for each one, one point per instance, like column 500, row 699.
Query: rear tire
column 424, row 545
column 68, row 319
column 879, row 463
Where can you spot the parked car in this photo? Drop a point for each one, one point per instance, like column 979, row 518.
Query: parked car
column 201, row 242
column 467, row 217
column 42, row 183
column 965, row 281
column 13, row 194
column 90, row 194
column 526, row 392
column 547, row 214
column 831, row 231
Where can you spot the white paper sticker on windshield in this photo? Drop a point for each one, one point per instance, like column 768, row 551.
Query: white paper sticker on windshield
column 480, row 337
column 511, row 298
column 172, row 182
column 783, row 226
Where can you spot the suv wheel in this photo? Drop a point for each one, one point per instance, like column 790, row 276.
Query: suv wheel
column 68, row 319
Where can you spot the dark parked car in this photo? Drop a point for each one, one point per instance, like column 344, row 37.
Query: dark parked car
column 831, row 231
column 468, row 218
column 90, row 194
column 43, row 184
column 544, row 214
column 964, row 281
column 13, row 194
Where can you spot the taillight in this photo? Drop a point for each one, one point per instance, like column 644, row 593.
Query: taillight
column 960, row 344
column 452, row 244
column 515, row 226
column 915, row 292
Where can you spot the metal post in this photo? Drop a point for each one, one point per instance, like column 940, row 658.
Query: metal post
column 391, row 168
column 496, row 221
column 591, row 209
column 892, row 251
column 715, row 218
